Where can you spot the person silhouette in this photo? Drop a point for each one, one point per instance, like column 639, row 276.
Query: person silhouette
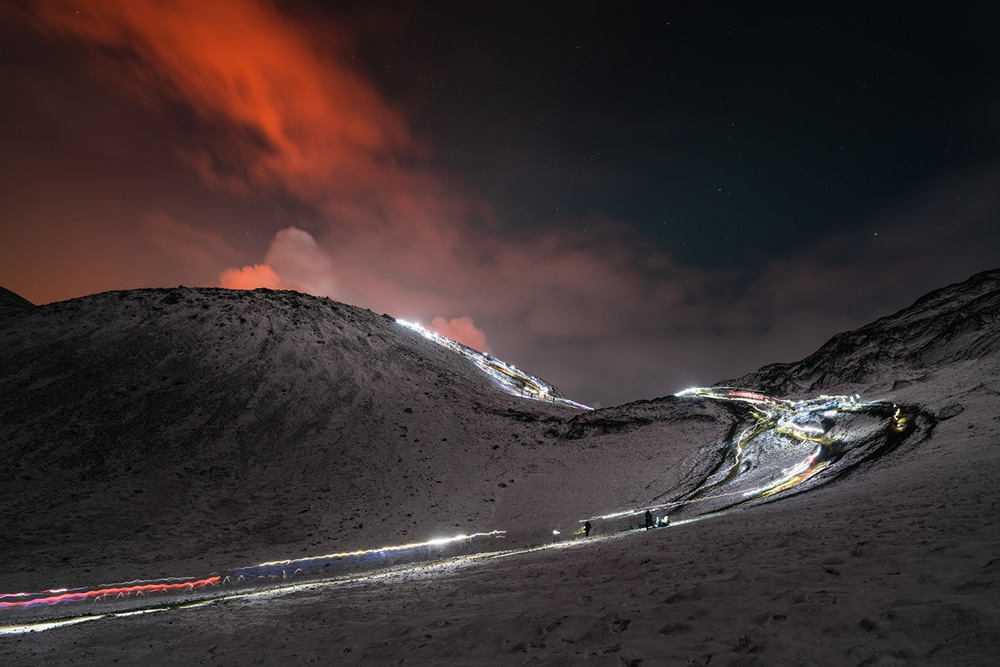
column 586, row 529
column 649, row 520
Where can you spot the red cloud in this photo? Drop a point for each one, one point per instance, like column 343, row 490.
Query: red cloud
column 252, row 277
column 286, row 111
column 282, row 107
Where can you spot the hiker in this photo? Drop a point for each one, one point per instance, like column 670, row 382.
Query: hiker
column 649, row 520
column 662, row 521
column 586, row 529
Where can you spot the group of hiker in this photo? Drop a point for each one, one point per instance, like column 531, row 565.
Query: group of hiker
column 650, row 521
column 661, row 521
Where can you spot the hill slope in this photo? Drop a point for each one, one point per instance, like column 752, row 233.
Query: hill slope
column 950, row 326
column 150, row 431
column 892, row 563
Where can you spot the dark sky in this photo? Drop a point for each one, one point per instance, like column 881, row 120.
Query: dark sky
column 624, row 198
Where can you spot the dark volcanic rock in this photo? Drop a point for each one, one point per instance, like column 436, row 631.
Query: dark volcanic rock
column 11, row 302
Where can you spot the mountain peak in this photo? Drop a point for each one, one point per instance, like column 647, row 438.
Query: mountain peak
column 12, row 301
column 960, row 322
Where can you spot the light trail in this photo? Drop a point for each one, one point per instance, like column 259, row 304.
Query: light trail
column 440, row 541
column 41, row 626
column 792, row 418
column 779, row 417
column 510, row 378
column 286, row 588
column 46, row 625
column 261, row 571
column 116, row 591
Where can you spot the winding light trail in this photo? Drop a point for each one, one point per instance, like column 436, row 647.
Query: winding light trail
column 795, row 419
column 804, row 421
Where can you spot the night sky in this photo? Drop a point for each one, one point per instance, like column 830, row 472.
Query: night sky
column 623, row 198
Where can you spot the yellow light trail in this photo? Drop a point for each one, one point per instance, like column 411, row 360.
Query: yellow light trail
column 780, row 411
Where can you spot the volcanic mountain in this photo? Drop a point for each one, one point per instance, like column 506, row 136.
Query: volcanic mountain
column 150, row 433
column 164, row 428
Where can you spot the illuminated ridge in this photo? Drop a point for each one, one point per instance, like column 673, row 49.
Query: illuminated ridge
column 511, row 379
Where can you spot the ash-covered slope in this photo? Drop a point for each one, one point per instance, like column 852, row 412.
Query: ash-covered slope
column 955, row 325
column 156, row 432
column 934, row 360
column 9, row 301
column 144, row 430
column 893, row 562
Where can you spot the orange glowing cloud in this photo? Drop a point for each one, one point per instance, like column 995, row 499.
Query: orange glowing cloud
column 279, row 107
column 283, row 108
column 294, row 261
column 252, row 277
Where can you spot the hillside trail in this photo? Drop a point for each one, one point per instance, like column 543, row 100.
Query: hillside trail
column 782, row 448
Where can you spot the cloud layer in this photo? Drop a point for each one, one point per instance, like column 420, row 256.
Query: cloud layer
column 282, row 108
column 275, row 109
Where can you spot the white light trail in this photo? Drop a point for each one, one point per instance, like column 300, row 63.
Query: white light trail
column 39, row 627
column 510, row 379
column 398, row 547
